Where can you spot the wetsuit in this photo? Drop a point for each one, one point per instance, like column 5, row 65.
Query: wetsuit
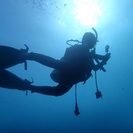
column 74, row 67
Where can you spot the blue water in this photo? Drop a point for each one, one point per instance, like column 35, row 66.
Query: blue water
column 41, row 25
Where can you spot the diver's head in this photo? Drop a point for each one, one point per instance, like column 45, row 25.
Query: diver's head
column 89, row 40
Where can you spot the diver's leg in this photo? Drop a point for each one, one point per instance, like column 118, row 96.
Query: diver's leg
column 58, row 90
column 10, row 56
column 47, row 61
column 11, row 81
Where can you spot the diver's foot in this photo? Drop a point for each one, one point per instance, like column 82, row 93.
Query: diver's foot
column 24, row 56
column 25, row 50
column 26, row 85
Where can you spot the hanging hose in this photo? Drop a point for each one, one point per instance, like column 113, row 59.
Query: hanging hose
column 98, row 93
column 76, row 111
column 95, row 34
column 96, row 81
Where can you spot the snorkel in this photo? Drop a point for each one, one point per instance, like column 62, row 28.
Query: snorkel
column 96, row 35
column 96, row 38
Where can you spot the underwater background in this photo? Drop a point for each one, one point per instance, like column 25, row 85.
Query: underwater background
column 45, row 26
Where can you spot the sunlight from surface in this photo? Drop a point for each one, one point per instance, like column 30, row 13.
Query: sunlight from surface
column 70, row 14
column 87, row 12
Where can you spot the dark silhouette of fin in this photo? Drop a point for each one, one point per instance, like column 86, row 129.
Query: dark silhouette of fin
column 11, row 81
column 10, row 56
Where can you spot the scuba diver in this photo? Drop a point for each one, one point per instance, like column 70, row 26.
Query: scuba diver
column 74, row 67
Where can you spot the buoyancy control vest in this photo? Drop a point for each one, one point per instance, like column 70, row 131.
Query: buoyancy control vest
column 80, row 63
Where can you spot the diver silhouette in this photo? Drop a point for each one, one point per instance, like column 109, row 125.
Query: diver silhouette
column 74, row 67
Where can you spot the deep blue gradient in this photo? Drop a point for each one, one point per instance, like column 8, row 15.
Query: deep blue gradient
column 25, row 22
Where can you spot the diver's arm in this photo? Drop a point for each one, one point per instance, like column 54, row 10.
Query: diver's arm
column 99, row 66
column 102, row 63
column 97, row 56
column 58, row 90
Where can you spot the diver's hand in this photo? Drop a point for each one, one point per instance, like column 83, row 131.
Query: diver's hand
column 106, row 57
column 102, row 63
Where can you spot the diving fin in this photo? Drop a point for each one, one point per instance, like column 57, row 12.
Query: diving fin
column 11, row 81
column 10, row 56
